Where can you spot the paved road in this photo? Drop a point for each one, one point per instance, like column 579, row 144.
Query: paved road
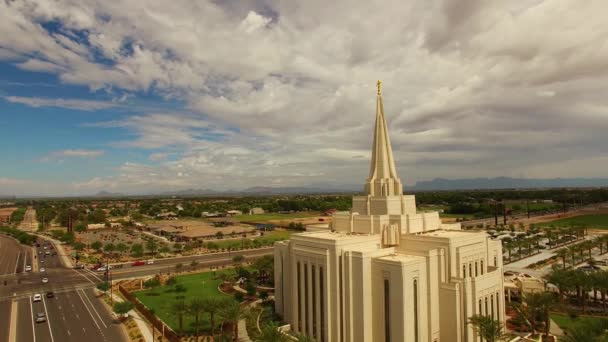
column 13, row 256
column 74, row 314
column 29, row 222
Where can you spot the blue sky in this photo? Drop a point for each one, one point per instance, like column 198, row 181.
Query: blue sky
column 141, row 97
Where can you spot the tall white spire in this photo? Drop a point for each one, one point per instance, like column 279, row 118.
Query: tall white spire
column 383, row 179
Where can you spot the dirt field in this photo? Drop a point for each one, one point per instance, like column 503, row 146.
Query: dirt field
column 201, row 227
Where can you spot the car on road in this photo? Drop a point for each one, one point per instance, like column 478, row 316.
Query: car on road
column 40, row 317
column 28, row 268
column 79, row 267
column 50, row 294
column 42, row 261
column 45, row 280
column 138, row 263
column 150, row 262
column 37, row 297
column 104, row 268
column 45, row 247
column 42, row 269
column 47, row 253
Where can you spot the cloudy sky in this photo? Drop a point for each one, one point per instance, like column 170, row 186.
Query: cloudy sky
column 144, row 96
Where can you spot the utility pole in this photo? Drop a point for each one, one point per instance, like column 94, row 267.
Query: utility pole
column 528, row 208
column 495, row 213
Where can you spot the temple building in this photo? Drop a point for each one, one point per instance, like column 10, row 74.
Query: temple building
column 386, row 272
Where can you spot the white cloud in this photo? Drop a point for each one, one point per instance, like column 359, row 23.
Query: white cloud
column 471, row 87
column 86, row 105
column 80, row 153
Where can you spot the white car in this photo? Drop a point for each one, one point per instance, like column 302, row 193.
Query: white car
column 45, row 280
column 150, row 262
column 42, row 269
column 37, row 297
column 28, row 268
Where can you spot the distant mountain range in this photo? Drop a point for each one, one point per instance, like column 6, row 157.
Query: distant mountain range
column 507, row 183
column 432, row 185
column 257, row 190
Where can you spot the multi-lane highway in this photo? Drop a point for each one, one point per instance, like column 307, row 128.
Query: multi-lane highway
column 75, row 313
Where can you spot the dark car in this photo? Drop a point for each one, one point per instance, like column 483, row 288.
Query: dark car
column 79, row 267
column 50, row 294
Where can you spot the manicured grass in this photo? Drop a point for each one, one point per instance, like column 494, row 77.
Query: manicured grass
column 201, row 285
column 597, row 221
column 274, row 216
column 565, row 322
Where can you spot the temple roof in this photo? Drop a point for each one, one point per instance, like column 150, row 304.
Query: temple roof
column 383, row 179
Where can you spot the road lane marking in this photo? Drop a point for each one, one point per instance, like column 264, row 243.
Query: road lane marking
column 48, row 321
column 86, row 307
column 85, row 277
column 93, row 307
column 33, row 322
column 17, row 263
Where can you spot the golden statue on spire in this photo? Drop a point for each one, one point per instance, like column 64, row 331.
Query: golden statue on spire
column 379, row 84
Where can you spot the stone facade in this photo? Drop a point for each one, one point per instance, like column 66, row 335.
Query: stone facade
column 385, row 272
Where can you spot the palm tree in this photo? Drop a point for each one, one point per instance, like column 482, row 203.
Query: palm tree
column 489, row 330
column 212, row 306
column 232, row 313
column 195, row 308
column 561, row 278
column 179, row 308
column 305, row 338
column 563, row 254
column 271, row 333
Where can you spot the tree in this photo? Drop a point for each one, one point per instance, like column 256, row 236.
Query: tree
column 109, row 247
column 78, row 246
column 137, row 250
column 563, row 254
column 237, row 259
column 152, row 245
column 196, row 307
column 251, row 290
column 264, row 296
column 231, row 313
column 164, row 249
column 212, row 306
column 265, row 268
column 121, row 247
column 122, row 308
column 80, row 227
column 178, row 267
column 177, row 247
column 179, row 308
column 271, row 333
column 103, row 287
column 488, row 329
column 97, row 245
column 152, row 284
column 219, row 235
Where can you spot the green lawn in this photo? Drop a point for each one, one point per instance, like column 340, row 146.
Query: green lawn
column 565, row 322
column 200, row 285
column 597, row 221
column 274, row 216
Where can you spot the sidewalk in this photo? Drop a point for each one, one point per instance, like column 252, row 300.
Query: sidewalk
column 141, row 324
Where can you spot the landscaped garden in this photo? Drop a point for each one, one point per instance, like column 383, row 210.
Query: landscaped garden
column 202, row 285
column 208, row 304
